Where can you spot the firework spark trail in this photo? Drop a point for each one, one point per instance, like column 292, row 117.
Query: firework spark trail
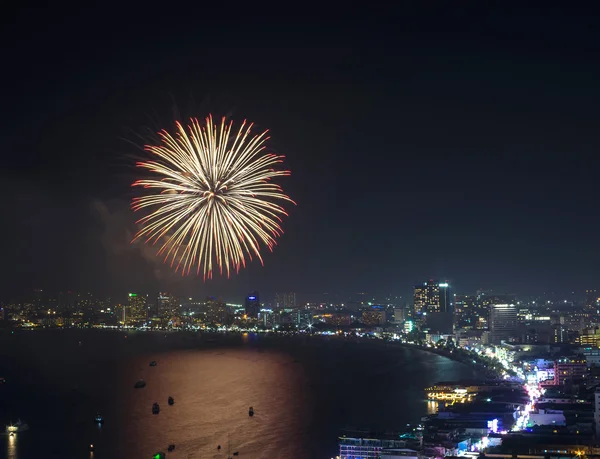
column 212, row 199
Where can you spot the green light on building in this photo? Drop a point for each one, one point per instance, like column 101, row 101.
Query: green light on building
column 132, row 294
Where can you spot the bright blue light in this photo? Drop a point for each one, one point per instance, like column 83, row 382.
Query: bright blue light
column 251, row 297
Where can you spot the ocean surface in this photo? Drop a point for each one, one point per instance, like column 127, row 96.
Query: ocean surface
column 304, row 391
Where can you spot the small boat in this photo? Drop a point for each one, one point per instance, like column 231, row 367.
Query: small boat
column 99, row 419
column 171, row 401
column 141, row 383
column 18, row 427
column 92, row 448
column 153, row 363
column 171, row 447
column 237, row 453
column 251, row 411
column 155, row 408
column 160, row 455
column 2, row 380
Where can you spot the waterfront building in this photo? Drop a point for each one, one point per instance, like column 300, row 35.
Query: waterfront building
column 374, row 315
column 216, row 311
column 303, row 318
column 374, row 448
column 424, row 294
column 166, row 305
column 285, row 301
column 252, row 305
column 435, row 302
column 334, row 318
column 136, row 309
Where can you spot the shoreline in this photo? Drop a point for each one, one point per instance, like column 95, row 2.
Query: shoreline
column 466, row 360
column 210, row 337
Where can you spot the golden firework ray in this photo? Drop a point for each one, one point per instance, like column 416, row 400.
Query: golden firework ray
column 212, row 201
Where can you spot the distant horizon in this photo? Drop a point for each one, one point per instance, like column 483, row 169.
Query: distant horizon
column 574, row 297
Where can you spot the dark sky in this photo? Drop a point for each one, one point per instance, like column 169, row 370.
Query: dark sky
column 441, row 142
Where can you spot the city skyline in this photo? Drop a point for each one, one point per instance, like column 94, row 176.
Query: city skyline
column 587, row 298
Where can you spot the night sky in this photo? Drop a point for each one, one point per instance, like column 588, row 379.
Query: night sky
column 439, row 143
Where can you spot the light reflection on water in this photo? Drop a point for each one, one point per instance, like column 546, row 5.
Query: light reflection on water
column 432, row 407
column 212, row 393
column 303, row 392
column 11, row 450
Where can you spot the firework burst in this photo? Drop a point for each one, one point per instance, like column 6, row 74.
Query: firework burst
column 213, row 197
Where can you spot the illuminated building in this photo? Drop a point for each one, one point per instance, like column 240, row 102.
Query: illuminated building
column 303, row 318
column 252, row 305
column 285, row 301
column 502, row 323
column 371, row 448
column 466, row 311
column 375, row 315
column 334, row 318
column 560, row 334
column 435, row 301
column 592, row 302
column 455, row 395
column 136, row 308
column 590, row 338
column 567, row 371
column 425, row 294
column 216, row 311
column 166, row 305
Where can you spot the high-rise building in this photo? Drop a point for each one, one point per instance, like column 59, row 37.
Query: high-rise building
column 425, row 293
column 136, row 308
column 252, row 305
column 166, row 305
column 285, row 301
column 502, row 322
column 216, row 311
column 435, row 301
column 592, row 301
column 433, row 296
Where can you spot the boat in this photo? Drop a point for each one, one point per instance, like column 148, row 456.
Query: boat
column 171, row 447
column 160, row 455
column 155, row 408
column 251, row 411
column 141, row 383
column 99, row 419
column 171, row 401
column 18, row 427
column 153, row 363
column 2, row 380
column 92, row 448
